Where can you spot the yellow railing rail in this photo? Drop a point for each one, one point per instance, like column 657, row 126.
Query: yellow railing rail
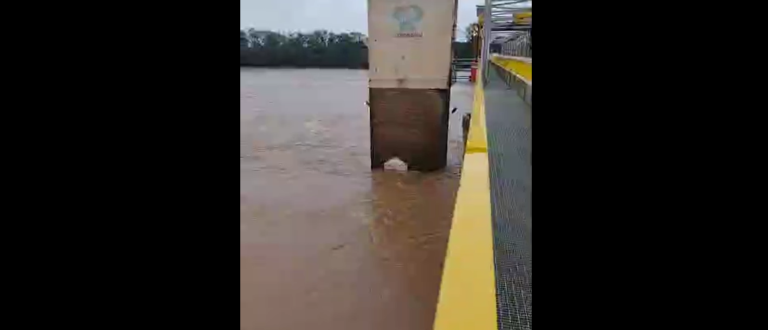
column 521, row 67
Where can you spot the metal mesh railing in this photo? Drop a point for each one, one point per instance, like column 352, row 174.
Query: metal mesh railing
column 507, row 27
column 518, row 45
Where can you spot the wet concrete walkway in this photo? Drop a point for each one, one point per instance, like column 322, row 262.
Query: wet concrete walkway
column 486, row 281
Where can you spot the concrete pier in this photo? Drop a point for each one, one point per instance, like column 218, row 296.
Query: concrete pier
column 409, row 69
column 411, row 124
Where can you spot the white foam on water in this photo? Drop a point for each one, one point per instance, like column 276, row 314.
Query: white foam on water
column 314, row 126
column 396, row 164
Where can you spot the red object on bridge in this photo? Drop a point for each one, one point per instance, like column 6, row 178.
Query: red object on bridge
column 473, row 72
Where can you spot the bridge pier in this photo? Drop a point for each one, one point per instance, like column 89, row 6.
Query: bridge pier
column 409, row 44
column 410, row 124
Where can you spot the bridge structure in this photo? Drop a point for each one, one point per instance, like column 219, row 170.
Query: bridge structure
column 486, row 282
column 487, row 275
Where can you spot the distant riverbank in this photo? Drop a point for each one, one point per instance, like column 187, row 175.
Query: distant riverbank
column 319, row 49
column 289, row 66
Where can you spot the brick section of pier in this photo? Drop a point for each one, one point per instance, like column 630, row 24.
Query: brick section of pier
column 411, row 124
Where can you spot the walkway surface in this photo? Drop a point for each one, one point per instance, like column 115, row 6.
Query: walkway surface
column 508, row 121
column 487, row 275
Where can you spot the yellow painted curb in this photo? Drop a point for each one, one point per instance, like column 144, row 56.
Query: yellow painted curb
column 477, row 141
column 468, row 290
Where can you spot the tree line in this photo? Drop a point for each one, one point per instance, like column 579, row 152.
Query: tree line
column 316, row 49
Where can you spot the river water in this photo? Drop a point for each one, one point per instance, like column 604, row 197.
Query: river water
column 326, row 243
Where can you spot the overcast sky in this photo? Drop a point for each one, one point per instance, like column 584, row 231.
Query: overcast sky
column 332, row 15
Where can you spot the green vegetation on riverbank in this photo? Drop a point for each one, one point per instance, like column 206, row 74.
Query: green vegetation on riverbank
column 319, row 49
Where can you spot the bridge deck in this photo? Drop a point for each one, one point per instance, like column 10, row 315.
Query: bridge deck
column 487, row 276
column 509, row 154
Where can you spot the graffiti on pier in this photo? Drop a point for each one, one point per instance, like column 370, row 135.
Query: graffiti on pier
column 409, row 21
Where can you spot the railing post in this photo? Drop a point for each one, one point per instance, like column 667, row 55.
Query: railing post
column 487, row 27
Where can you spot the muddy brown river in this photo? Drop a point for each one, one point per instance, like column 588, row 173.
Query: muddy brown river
column 326, row 243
